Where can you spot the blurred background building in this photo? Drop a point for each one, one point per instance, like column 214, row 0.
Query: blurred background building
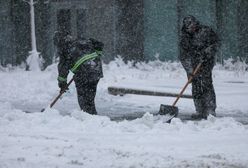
column 137, row 30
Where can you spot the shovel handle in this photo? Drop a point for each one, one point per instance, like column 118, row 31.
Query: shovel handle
column 188, row 82
column 60, row 94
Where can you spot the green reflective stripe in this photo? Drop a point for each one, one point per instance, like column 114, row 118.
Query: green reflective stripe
column 84, row 59
column 61, row 79
column 99, row 52
column 81, row 60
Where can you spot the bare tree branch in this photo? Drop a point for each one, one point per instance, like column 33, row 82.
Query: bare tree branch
column 35, row 2
column 46, row 2
column 26, row 1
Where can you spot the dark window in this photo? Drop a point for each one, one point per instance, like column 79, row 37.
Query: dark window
column 64, row 20
column 81, row 23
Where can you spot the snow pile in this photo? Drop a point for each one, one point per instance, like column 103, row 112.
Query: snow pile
column 34, row 61
column 52, row 140
column 154, row 70
column 76, row 139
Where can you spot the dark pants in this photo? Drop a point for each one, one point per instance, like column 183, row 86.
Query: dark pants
column 203, row 93
column 86, row 92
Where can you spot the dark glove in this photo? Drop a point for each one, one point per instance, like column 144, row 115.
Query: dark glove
column 189, row 72
column 63, row 86
column 204, row 58
column 190, row 75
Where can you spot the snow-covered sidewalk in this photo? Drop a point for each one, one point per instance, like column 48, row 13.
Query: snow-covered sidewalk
column 66, row 137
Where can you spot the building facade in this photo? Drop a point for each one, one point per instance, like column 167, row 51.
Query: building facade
column 137, row 30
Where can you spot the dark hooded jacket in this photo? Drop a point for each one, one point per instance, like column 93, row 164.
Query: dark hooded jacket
column 70, row 51
column 200, row 45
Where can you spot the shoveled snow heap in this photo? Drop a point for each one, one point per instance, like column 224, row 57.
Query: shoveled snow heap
column 66, row 137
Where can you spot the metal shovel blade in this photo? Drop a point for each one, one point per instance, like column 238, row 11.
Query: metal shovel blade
column 167, row 109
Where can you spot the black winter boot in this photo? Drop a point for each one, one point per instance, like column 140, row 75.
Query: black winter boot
column 199, row 116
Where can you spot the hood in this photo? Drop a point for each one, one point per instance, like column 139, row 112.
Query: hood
column 189, row 22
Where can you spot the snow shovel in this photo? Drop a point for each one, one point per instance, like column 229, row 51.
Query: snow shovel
column 172, row 111
column 60, row 94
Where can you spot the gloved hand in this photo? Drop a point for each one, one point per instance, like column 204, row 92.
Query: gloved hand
column 203, row 58
column 190, row 74
column 62, row 86
column 208, row 50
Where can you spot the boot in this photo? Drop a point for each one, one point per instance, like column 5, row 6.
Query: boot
column 212, row 112
column 198, row 116
column 90, row 109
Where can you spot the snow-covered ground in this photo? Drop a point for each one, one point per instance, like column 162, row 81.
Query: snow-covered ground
column 66, row 137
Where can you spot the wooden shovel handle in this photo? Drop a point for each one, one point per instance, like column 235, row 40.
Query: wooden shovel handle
column 188, row 82
column 60, row 94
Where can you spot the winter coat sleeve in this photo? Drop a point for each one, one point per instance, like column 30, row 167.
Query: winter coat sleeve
column 212, row 43
column 63, row 67
column 98, row 47
column 65, row 60
column 184, row 55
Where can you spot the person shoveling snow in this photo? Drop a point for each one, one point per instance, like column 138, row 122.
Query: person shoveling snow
column 82, row 57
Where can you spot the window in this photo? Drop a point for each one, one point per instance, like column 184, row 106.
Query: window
column 64, row 20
